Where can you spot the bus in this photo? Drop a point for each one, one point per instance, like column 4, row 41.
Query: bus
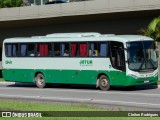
column 103, row 60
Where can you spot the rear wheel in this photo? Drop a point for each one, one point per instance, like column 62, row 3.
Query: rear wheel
column 40, row 80
column 104, row 83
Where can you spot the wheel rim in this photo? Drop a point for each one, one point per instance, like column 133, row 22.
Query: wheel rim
column 104, row 82
column 40, row 80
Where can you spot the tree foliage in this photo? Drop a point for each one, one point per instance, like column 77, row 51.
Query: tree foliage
column 10, row 3
column 153, row 29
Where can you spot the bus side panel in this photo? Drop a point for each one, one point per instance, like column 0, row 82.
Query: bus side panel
column 59, row 76
column 18, row 75
column 52, row 76
column 117, row 78
column 71, row 76
column 86, row 77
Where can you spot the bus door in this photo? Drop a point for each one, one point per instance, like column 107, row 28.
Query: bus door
column 117, row 58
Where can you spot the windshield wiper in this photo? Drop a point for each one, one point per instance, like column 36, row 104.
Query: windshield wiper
column 151, row 63
column 145, row 61
column 141, row 65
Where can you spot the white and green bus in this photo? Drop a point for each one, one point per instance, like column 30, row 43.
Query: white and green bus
column 81, row 58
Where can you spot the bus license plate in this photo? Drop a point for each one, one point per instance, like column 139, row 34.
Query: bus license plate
column 146, row 81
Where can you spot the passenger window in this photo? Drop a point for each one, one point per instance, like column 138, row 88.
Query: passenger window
column 31, row 49
column 57, row 49
column 23, row 50
column 83, row 49
column 44, row 49
column 15, row 50
column 11, row 50
column 98, row 49
column 65, row 50
column 103, row 49
column 74, row 49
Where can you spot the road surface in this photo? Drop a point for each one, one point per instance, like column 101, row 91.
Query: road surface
column 140, row 98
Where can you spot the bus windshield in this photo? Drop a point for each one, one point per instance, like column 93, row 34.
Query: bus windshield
column 142, row 55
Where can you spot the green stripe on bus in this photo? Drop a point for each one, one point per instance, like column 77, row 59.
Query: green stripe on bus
column 116, row 78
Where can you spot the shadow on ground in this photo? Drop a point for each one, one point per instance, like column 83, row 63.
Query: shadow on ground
column 87, row 87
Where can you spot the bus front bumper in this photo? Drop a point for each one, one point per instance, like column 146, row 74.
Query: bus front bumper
column 132, row 81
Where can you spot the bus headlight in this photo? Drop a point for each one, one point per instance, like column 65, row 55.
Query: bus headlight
column 156, row 74
column 134, row 76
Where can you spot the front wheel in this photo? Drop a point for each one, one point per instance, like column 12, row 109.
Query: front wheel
column 104, row 83
column 40, row 81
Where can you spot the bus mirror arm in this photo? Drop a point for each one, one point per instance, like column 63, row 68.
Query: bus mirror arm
column 128, row 61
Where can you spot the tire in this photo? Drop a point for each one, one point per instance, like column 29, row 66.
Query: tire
column 104, row 83
column 40, row 81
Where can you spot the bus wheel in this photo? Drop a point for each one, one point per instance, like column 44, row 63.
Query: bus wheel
column 40, row 81
column 104, row 83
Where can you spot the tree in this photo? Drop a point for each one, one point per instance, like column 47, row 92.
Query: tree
column 10, row 3
column 153, row 29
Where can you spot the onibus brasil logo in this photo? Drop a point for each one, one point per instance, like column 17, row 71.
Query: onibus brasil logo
column 86, row 63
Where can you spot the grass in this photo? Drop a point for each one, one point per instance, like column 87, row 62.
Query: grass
column 10, row 105
column 41, row 106
column 158, row 82
column 1, row 80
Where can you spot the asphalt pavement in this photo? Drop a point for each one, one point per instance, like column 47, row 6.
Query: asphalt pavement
column 119, row 98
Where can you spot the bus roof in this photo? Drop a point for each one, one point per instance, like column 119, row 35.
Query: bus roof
column 75, row 37
column 70, row 35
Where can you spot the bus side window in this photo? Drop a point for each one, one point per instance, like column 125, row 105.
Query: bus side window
column 65, row 50
column 31, row 49
column 103, row 49
column 56, row 49
column 91, row 49
column 15, row 50
column 23, row 50
column 83, row 49
column 44, row 49
column 50, row 50
column 11, row 50
column 98, row 49
column 8, row 50
column 74, row 49
column 94, row 49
